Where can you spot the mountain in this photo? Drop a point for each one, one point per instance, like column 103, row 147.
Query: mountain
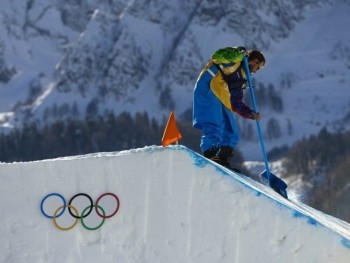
column 61, row 59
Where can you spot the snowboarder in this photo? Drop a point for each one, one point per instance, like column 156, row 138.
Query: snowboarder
column 218, row 93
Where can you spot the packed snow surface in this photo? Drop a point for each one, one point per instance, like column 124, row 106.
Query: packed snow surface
column 160, row 205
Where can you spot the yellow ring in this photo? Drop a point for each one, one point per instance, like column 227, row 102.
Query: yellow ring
column 65, row 228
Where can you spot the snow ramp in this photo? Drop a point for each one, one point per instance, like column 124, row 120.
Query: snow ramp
column 155, row 204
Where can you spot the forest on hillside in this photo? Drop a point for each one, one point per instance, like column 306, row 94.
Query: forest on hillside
column 322, row 160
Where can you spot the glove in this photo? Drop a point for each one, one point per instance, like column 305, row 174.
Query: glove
column 256, row 116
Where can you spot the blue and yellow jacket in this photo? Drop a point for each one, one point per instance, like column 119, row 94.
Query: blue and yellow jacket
column 229, row 79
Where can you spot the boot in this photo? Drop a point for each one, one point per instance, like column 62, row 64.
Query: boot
column 212, row 154
column 225, row 155
column 222, row 156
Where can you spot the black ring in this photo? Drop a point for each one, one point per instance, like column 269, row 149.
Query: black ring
column 91, row 205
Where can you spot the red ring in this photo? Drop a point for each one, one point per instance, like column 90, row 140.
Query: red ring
column 107, row 216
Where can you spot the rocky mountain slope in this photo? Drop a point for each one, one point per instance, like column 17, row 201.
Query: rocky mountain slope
column 73, row 58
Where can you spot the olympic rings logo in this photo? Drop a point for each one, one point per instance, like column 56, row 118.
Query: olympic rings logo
column 79, row 210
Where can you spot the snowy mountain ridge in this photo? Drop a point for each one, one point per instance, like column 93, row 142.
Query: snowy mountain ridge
column 62, row 59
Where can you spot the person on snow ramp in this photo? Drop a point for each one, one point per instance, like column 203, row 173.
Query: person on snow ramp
column 218, row 93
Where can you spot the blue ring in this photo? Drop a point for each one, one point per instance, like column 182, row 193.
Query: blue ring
column 47, row 196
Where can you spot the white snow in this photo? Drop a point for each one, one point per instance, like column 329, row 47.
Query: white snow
column 174, row 206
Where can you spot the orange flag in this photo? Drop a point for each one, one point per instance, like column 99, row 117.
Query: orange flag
column 171, row 132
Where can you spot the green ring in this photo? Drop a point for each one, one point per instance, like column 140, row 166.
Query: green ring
column 82, row 217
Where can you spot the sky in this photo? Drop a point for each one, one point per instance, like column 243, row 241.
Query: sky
column 156, row 204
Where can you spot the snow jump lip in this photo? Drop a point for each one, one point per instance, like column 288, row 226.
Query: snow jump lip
column 177, row 206
column 312, row 216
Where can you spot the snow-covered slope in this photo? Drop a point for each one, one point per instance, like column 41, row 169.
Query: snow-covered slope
column 72, row 58
column 174, row 206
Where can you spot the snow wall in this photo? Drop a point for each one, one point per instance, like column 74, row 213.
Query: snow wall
column 159, row 205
